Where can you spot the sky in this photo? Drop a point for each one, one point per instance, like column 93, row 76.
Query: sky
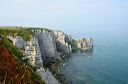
column 79, row 18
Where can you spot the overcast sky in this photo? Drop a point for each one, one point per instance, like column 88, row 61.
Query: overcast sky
column 75, row 17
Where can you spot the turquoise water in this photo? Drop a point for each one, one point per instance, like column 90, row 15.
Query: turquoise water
column 106, row 64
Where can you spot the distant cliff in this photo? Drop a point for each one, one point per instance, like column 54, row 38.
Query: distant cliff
column 85, row 43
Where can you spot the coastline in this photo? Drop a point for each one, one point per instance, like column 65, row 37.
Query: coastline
column 44, row 48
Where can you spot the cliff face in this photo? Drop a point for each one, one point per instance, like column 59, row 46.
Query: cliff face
column 29, row 48
column 32, row 52
column 17, row 41
column 46, row 43
column 52, row 43
column 62, row 45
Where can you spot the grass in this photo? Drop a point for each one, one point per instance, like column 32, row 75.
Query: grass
column 17, row 52
column 16, row 31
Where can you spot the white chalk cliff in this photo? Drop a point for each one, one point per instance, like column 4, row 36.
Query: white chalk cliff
column 46, row 44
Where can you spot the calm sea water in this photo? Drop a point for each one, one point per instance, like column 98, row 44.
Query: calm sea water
column 106, row 64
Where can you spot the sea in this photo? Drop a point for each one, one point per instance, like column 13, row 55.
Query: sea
column 106, row 63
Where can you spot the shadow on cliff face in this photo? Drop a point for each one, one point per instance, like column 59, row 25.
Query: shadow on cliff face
column 52, row 50
column 47, row 46
column 62, row 48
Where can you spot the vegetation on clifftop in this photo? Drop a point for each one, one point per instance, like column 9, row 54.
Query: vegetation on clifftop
column 16, row 31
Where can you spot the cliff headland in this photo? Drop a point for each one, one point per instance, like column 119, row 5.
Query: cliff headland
column 39, row 51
